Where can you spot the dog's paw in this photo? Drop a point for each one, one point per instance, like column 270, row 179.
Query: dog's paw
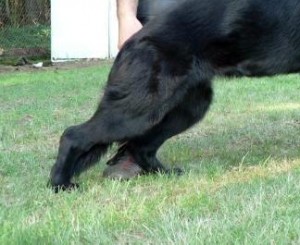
column 65, row 187
column 178, row 171
column 174, row 171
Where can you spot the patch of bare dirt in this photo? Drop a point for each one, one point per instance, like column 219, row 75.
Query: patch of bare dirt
column 48, row 66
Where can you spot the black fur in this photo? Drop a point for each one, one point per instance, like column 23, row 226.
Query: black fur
column 160, row 83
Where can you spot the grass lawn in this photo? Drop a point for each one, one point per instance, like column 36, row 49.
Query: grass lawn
column 242, row 163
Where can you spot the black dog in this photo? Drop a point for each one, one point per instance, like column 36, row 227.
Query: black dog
column 160, row 83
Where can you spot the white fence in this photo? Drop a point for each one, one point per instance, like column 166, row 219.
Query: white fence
column 83, row 29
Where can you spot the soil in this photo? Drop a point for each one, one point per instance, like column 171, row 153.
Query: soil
column 48, row 66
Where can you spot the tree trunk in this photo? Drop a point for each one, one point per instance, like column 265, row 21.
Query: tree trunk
column 21, row 12
column 7, row 11
column 37, row 11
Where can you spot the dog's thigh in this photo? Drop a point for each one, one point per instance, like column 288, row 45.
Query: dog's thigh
column 189, row 111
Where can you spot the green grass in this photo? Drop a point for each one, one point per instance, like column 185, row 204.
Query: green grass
column 32, row 36
column 242, row 163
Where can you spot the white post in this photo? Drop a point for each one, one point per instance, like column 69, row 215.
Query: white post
column 80, row 29
column 113, row 29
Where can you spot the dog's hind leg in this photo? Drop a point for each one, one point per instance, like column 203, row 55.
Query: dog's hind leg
column 144, row 88
column 78, row 150
column 82, row 146
column 191, row 110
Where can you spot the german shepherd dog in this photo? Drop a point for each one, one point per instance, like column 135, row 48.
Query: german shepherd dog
column 161, row 81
